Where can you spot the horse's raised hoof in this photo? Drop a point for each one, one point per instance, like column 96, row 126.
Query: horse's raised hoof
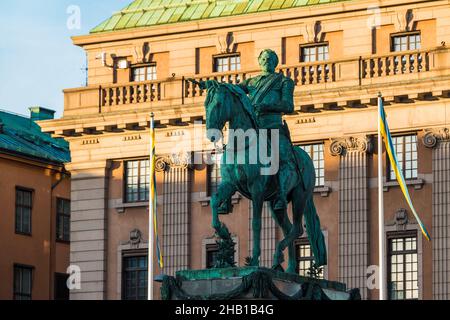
column 278, row 268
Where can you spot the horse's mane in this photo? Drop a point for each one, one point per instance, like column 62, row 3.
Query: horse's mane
column 238, row 94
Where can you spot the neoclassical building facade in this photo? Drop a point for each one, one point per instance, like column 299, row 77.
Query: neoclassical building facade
column 340, row 54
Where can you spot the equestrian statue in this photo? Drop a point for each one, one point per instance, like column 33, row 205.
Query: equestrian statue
column 259, row 104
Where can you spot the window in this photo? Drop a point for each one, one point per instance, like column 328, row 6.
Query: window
column 227, row 63
column 135, row 278
column 212, row 252
column 406, row 42
column 214, row 174
column 305, row 258
column 61, row 289
column 23, row 211
column 316, row 153
column 315, row 53
column 63, row 220
column 144, row 73
column 406, row 150
column 137, row 181
column 23, row 281
column 403, row 267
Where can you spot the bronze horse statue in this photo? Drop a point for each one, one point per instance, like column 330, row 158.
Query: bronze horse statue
column 227, row 103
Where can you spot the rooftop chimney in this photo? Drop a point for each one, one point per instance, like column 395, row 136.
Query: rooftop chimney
column 38, row 113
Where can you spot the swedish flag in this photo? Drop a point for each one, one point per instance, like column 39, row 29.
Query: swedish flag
column 153, row 194
column 386, row 135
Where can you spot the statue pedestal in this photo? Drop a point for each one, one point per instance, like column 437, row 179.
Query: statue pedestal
column 251, row 283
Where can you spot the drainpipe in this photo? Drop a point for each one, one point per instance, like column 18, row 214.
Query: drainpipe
column 52, row 260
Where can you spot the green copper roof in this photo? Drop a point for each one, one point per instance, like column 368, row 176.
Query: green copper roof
column 21, row 136
column 144, row 13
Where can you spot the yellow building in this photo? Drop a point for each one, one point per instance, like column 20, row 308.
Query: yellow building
column 340, row 54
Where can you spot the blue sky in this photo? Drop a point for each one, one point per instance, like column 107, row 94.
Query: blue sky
column 37, row 57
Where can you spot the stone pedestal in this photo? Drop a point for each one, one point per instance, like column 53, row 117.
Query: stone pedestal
column 251, row 283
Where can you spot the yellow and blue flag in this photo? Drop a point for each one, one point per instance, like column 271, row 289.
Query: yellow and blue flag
column 386, row 134
column 153, row 194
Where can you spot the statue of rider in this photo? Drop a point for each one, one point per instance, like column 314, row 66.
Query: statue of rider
column 272, row 96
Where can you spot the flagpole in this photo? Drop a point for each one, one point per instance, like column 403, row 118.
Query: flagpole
column 151, row 230
column 381, row 236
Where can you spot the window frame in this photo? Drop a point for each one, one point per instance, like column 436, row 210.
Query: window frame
column 125, row 180
column 127, row 255
column 402, row 235
column 210, row 248
column 23, row 267
column 31, row 191
column 312, row 144
column 304, row 242
column 146, row 67
column 403, row 162
column 228, row 56
column 407, row 34
column 316, row 47
column 58, row 214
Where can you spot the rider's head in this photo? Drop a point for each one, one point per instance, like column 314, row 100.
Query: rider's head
column 268, row 60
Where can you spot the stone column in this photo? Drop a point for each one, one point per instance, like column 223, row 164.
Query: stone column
column 439, row 141
column 176, row 213
column 88, row 234
column 353, row 209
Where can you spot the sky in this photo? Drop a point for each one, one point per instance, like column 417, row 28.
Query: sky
column 37, row 57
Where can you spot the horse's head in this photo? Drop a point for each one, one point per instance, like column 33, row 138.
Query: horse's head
column 217, row 107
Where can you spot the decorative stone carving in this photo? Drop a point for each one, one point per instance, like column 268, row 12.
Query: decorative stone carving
column 311, row 31
column 400, row 221
column 176, row 160
column 433, row 136
column 142, row 53
column 403, row 19
column 135, row 237
column 90, row 141
column 225, row 42
column 339, row 146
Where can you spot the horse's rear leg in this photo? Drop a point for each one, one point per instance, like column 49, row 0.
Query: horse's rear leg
column 258, row 203
column 298, row 207
column 282, row 220
column 224, row 193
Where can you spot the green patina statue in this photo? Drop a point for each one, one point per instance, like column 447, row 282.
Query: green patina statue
column 258, row 104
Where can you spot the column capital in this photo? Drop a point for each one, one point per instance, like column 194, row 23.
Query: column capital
column 175, row 160
column 339, row 146
column 435, row 135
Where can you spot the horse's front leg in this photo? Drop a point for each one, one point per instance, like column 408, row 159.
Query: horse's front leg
column 256, row 226
column 224, row 193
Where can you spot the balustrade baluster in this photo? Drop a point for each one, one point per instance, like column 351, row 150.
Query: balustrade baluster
column 416, row 62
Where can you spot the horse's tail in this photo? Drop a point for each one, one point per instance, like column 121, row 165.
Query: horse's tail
column 315, row 234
